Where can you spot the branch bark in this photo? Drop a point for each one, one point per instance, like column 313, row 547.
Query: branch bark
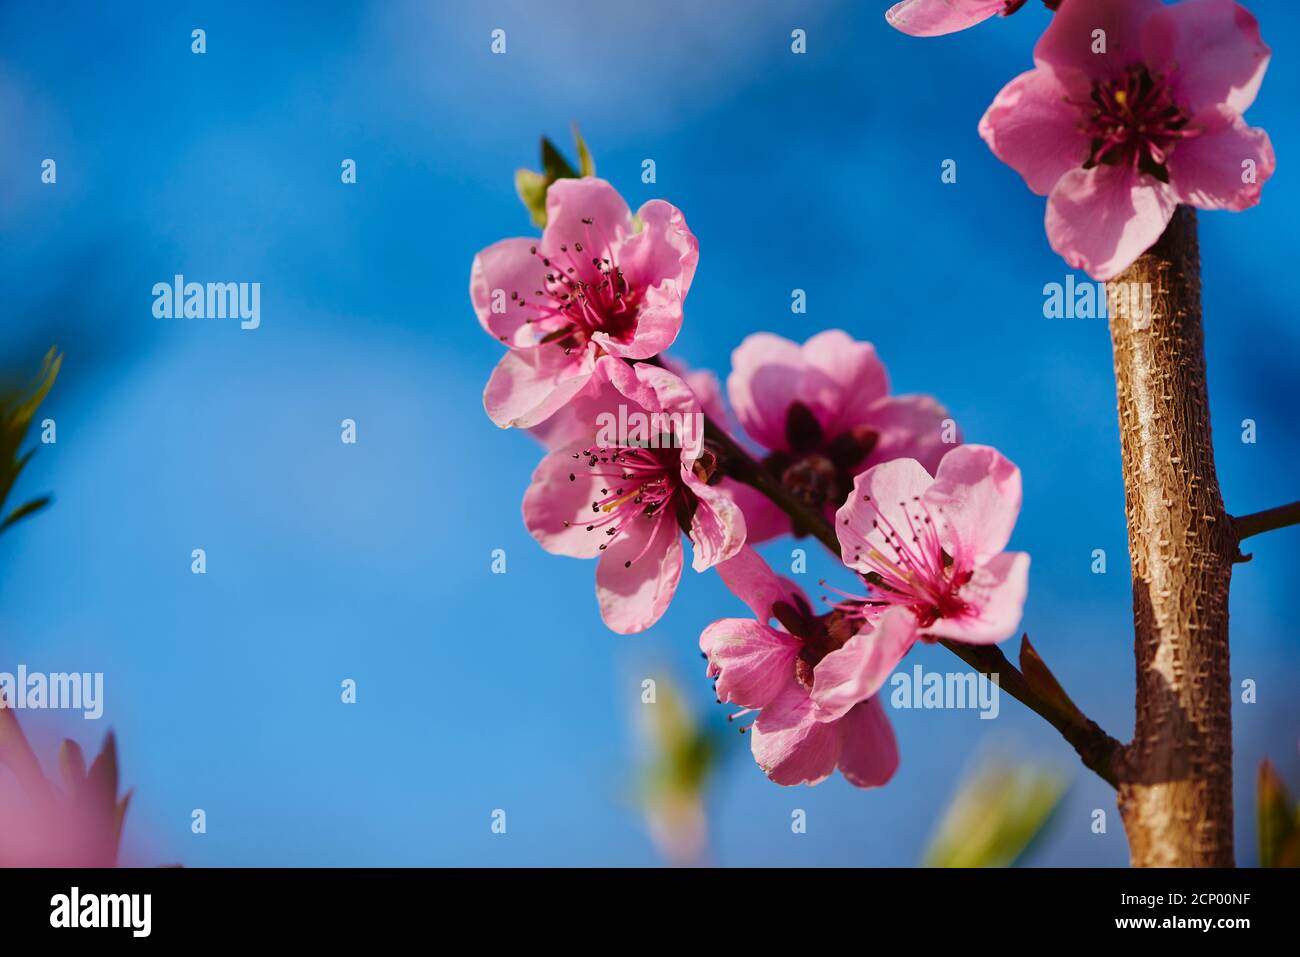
column 1175, row 778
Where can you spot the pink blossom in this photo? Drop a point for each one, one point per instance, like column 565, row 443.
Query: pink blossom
column 824, row 413
column 76, row 822
column 1117, row 139
column 597, row 283
column 783, row 672
column 625, row 495
column 932, row 552
column 933, row 18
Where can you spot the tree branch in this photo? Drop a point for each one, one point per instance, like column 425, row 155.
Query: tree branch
column 1266, row 521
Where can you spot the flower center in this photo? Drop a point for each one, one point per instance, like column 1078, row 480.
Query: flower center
column 1133, row 121
column 912, row 570
column 819, row 469
column 583, row 292
column 642, row 483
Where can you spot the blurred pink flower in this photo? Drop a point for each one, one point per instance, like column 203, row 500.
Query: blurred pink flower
column 931, row 550
column 933, row 18
column 824, row 413
column 42, row 824
column 597, row 283
column 782, row 673
column 626, row 496
column 1132, row 108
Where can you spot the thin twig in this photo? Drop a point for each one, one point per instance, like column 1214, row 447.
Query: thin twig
column 1266, row 521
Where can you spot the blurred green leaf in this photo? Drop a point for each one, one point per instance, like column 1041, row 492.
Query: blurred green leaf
column 532, row 186
column 995, row 816
column 681, row 756
column 17, row 409
column 1277, row 820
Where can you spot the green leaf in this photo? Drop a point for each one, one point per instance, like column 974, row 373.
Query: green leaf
column 586, row 165
column 18, row 407
column 995, row 816
column 1276, row 826
column 532, row 186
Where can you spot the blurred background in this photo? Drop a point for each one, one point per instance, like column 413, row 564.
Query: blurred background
column 325, row 561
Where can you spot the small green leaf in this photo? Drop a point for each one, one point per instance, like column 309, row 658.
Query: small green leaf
column 586, row 165
column 532, row 186
column 18, row 407
column 995, row 816
column 1275, row 824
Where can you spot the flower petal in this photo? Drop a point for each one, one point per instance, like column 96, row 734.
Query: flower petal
column 764, row 520
column 509, row 268
column 1101, row 219
column 975, row 499
column 752, row 581
column 634, row 596
column 751, row 661
column 934, row 18
column 842, row 379
column 529, row 386
column 1031, row 128
column 1068, row 41
column 868, row 749
column 557, row 509
column 766, row 372
column 853, row 673
column 718, row 525
column 1210, row 170
column 862, row 523
column 910, row 427
column 1212, row 51
column 789, row 744
column 997, row 595
column 569, row 204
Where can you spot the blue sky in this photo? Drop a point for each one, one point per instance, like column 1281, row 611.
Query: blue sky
column 372, row 562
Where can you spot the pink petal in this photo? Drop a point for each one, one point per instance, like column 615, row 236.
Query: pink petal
column 529, row 386
column 510, row 267
column 751, row 661
column 571, row 201
column 751, row 580
column 633, row 597
column 909, row 427
column 869, row 751
column 855, row 672
column 717, row 527
column 886, row 485
column 997, row 595
column 1212, row 51
column 1101, row 219
column 664, row 251
column 1067, row 43
column 975, row 499
column 705, row 387
column 933, row 18
column 789, row 744
column 766, row 372
column 1207, row 170
column 557, row 511
column 764, row 521
column 842, row 379
column 1032, row 129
